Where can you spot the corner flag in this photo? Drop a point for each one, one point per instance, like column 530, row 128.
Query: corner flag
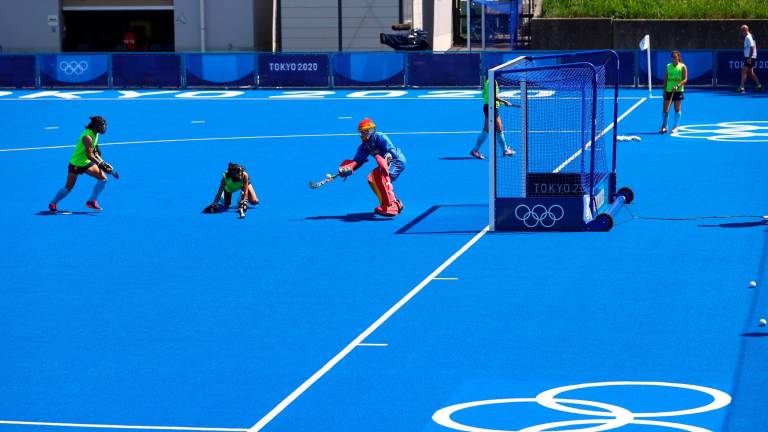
column 645, row 42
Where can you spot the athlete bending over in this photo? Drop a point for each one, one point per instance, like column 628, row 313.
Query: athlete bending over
column 390, row 163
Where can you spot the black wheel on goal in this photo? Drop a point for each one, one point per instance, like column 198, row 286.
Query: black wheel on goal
column 603, row 222
column 627, row 193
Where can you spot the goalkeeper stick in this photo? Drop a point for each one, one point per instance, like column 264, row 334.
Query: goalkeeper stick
column 328, row 178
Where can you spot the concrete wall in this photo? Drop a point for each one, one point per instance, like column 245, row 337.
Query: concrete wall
column 364, row 20
column 229, row 25
column 262, row 25
column 442, row 33
column 601, row 33
column 24, row 26
column 312, row 27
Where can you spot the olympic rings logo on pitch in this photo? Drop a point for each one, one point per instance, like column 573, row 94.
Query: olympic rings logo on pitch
column 73, row 67
column 539, row 215
column 606, row 417
column 735, row 131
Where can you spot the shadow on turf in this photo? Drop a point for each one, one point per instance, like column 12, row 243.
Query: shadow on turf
column 352, row 217
column 66, row 213
column 755, row 334
column 433, row 222
column 456, row 158
column 736, row 225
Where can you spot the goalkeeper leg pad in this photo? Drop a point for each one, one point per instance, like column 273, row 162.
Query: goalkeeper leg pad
column 382, row 186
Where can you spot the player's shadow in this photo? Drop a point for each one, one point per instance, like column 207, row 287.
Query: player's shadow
column 66, row 213
column 352, row 217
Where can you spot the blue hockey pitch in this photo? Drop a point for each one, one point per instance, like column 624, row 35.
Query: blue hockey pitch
column 313, row 315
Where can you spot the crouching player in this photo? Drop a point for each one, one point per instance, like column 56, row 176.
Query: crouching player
column 86, row 159
column 390, row 162
column 235, row 178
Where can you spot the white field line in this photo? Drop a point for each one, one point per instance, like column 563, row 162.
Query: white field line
column 111, row 426
column 256, row 137
column 272, row 98
column 589, row 144
column 359, row 339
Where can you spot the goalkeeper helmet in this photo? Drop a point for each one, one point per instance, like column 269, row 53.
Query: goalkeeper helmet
column 366, row 128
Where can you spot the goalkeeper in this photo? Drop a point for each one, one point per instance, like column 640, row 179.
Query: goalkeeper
column 390, row 163
column 86, row 159
column 235, row 179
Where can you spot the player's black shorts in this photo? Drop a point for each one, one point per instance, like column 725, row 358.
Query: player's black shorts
column 676, row 96
column 749, row 62
column 79, row 169
column 485, row 111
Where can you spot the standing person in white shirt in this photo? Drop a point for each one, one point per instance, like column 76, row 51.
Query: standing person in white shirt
column 750, row 60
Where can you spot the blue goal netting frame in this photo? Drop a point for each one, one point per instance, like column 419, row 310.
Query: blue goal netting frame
column 556, row 119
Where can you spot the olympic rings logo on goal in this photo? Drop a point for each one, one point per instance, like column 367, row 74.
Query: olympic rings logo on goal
column 73, row 67
column 609, row 416
column 539, row 215
column 735, row 131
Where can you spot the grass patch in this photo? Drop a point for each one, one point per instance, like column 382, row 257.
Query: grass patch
column 656, row 9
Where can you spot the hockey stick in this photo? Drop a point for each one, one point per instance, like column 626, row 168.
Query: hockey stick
column 328, row 178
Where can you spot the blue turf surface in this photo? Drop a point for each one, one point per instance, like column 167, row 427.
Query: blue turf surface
column 151, row 313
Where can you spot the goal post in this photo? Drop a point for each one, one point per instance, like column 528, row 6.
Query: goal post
column 554, row 112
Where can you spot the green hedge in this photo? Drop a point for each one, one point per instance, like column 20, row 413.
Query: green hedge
column 656, row 9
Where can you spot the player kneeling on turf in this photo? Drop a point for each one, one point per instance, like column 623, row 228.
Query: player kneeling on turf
column 390, row 163
column 235, row 178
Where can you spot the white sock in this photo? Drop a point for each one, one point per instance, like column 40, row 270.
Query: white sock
column 480, row 140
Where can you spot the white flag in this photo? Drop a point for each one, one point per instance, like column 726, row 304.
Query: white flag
column 644, row 42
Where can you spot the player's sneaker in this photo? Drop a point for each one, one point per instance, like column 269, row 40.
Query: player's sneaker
column 52, row 208
column 739, row 89
column 663, row 131
column 674, row 130
column 476, row 154
column 400, row 206
column 93, row 205
column 759, row 88
column 509, row 152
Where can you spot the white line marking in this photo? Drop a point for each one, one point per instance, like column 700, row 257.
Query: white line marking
column 272, row 98
column 359, row 339
column 50, row 127
column 197, row 121
column 589, row 144
column 344, row 118
column 110, row 426
column 373, row 344
column 238, row 138
column 446, row 278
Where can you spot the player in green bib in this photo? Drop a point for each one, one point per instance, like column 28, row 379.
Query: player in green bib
column 674, row 88
column 86, row 159
column 235, row 179
column 475, row 152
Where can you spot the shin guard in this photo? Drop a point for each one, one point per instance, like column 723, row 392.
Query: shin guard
column 381, row 185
